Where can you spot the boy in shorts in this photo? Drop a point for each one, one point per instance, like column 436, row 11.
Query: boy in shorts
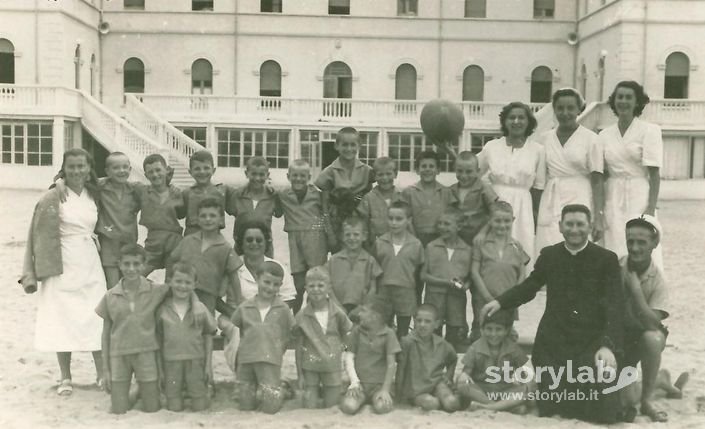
column 214, row 259
column 161, row 206
column 265, row 324
column 374, row 205
column 129, row 339
column 256, row 200
column 495, row 349
column 427, row 365
column 185, row 331
column 401, row 257
column 472, row 196
column 321, row 327
column 447, row 276
column 344, row 182
column 201, row 168
column 353, row 271
column 304, row 222
column 370, row 361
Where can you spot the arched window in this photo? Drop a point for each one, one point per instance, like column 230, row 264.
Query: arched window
column 583, row 80
column 270, row 79
column 677, row 73
column 92, row 74
column 337, row 80
column 541, row 85
column 77, row 66
column 473, row 83
column 133, row 75
column 7, row 61
column 405, row 86
column 201, row 77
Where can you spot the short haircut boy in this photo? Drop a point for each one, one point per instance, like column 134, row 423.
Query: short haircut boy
column 272, row 268
column 187, row 268
column 201, row 156
column 426, row 154
column 211, row 203
column 355, row 221
column 256, row 161
column 152, row 158
column 576, row 208
column 133, row 250
column 384, row 162
column 346, row 130
column 318, row 273
column 500, row 317
column 466, row 155
column 299, row 163
column 430, row 308
column 501, row 206
column 401, row 205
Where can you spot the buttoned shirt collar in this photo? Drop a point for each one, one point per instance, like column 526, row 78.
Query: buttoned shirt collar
column 437, row 186
column 309, row 188
column 455, row 188
column 338, row 166
column 650, row 271
column 388, row 238
column 144, row 286
column 246, row 193
column 483, row 347
column 435, row 339
column 440, row 242
column 276, row 303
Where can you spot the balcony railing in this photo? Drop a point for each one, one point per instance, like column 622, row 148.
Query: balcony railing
column 39, row 100
column 372, row 112
column 669, row 114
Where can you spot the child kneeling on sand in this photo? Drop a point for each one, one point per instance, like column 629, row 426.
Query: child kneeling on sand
column 494, row 349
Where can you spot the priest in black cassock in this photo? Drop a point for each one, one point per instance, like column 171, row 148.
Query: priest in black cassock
column 582, row 323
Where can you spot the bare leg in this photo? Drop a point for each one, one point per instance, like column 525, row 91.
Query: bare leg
column 352, row 402
column 509, row 404
column 427, row 402
column 149, row 393
column 119, row 397
column 473, row 393
column 331, row 396
column 299, row 284
column 64, row 359
column 311, row 397
column 98, row 362
column 651, row 345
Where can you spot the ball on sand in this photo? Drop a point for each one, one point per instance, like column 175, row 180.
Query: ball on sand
column 442, row 121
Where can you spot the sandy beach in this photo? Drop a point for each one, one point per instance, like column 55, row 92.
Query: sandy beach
column 28, row 378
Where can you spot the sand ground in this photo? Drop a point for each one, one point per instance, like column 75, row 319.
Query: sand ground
column 28, row 378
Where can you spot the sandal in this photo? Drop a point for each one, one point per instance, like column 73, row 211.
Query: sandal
column 100, row 382
column 655, row 415
column 65, row 388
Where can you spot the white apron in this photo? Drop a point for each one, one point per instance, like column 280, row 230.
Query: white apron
column 66, row 317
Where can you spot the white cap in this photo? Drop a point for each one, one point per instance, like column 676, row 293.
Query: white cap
column 647, row 221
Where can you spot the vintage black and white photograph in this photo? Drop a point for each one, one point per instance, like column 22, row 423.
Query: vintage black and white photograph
column 352, row 213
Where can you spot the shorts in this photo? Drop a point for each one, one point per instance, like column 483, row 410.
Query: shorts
column 258, row 373
column 110, row 250
column 143, row 365
column 451, row 306
column 189, row 372
column 398, row 300
column 325, row 379
column 207, row 299
column 632, row 336
column 159, row 245
column 307, row 249
column 369, row 390
column 441, row 390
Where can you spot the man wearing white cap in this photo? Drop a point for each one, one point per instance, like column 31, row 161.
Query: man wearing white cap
column 646, row 298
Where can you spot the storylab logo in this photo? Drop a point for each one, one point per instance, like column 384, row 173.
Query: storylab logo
column 604, row 375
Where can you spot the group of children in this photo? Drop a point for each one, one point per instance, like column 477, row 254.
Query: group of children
column 385, row 245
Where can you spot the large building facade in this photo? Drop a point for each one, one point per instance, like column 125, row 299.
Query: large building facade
column 278, row 77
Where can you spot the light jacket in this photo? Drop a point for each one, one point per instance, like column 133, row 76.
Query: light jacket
column 42, row 258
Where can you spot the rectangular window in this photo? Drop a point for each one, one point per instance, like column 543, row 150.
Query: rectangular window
column 405, row 146
column 478, row 141
column 476, row 8
column 197, row 134
column 134, row 4
column 338, row 7
column 26, row 144
column 201, row 4
column 236, row 145
column 544, row 8
column 407, row 7
column 368, row 144
column 270, row 6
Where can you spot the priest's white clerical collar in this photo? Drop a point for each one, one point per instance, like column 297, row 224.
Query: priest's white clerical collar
column 575, row 252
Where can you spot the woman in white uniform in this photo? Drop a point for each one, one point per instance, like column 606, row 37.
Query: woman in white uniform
column 516, row 169
column 633, row 158
column 62, row 257
column 574, row 164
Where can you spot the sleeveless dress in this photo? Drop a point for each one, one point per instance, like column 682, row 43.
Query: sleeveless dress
column 512, row 172
column 627, row 186
column 568, row 180
column 66, row 317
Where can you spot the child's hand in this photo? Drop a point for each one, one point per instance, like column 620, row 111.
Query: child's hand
column 383, row 398
column 355, row 390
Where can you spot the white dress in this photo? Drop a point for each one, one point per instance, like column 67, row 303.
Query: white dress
column 627, row 186
column 66, row 317
column 568, row 180
column 512, row 172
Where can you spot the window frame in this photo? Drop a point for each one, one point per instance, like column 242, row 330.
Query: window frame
column 133, row 4
column 252, row 142
column 417, row 143
column 202, row 5
column 42, row 134
column 544, row 9
column 468, row 8
column 407, row 8
column 272, row 4
column 339, row 9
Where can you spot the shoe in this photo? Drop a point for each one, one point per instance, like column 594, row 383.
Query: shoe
column 65, row 388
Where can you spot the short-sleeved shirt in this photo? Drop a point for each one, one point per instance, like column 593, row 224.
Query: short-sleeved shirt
column 458, row 266
column 217, row 262
column 475, row 207
column 631, row 154
column 351, row 275
column 183, row 339
column 117, row 217
column 306, row 215
column 321, row 349
column 243, row 207
column 425, row 209
column 399, row 269
column 422, row 365
column 196, row 193
column 158, row 215
column 248, row 283
column 371, row 350
column 654, row 288
column 478, row 358
column 133, row 322
column 499, row 265
column 263, row 340
column 335, row 177
column 374, row 209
